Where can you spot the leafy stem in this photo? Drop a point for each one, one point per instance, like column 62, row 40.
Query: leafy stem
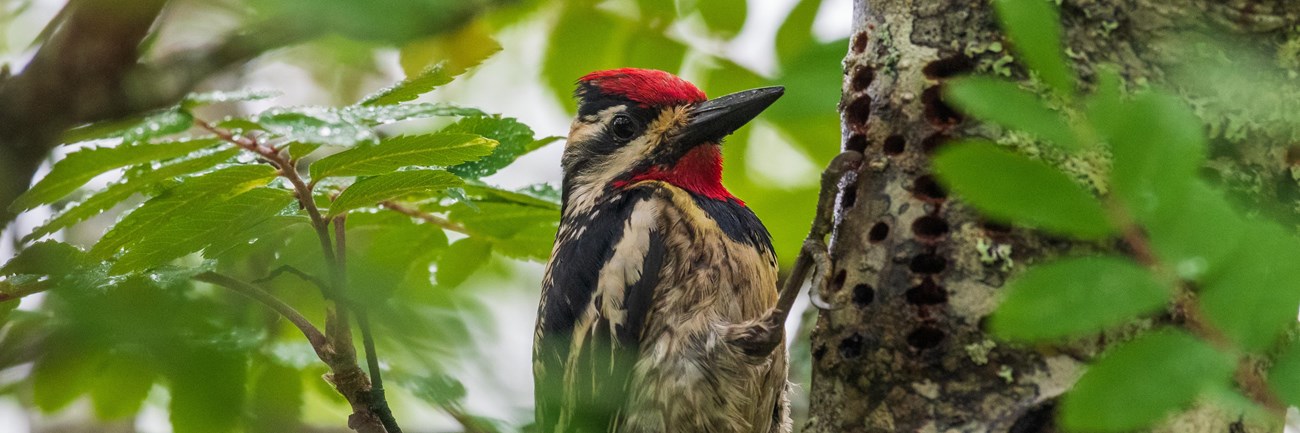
column 425, row 216
column 1252, row 383
column 314, row 336
column 335, row 348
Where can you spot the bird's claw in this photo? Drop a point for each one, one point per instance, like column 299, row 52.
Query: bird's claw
column 821, row 268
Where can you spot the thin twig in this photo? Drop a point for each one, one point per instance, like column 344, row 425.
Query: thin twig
column 378, row 402
column 296, row 272
column 341, row 357
column 313, row 335
column 1184, row 304
column 23, row 290
column 427, row 217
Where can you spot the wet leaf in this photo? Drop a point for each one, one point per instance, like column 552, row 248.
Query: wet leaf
column 460, row 261
column 412, row 87
column 131, row 184
column 514, row 139
column 390, row 154
column 191, row 194
column 83, row 165
column 371, row 191
column 176, row 237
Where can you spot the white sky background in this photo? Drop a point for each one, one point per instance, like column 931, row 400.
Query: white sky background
column 500, row 385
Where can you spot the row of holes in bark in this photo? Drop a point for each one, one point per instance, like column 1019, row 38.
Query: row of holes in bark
column 931, row 228
column 928, row 228
column 897, row 144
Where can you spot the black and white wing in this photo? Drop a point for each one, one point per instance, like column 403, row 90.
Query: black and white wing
column 596, row 297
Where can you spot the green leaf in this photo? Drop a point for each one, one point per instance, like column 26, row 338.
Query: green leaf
column 657, row 13
column 325, row 126
column 266, row 229
column 437, row 389
column 460, row 261
column 133, row 183
column 806, row 114
column 208, row 98
column 1034, row 28
column 1010, row 187
column 650, row 49
column 1157, row 146
column 1285, row 376
column 1075, row 297
column 207, row 390
column 1140, row 382
column 501, row 220
column 7, row 307
column 396, row 253
column 191, row 194
column 1005, row 103
column 65, row 370
column 540, row 195
column 277, row 399
column 121, row 385
column 66, row 266
column 135, row 129
column 46, row 258
column 584, row 39
column 460, row 50
column 725, row 17
column 374, row 115
column 403, row 151
column 1179, row 237
column 83, row 165
column 514, row 139
column 411, row 87
column 795, row 34
column 530, row 243
column 1254, row 296
column 371, row 191
column 174, row 238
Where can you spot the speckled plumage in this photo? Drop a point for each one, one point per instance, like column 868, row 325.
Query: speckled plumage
column 654, row 276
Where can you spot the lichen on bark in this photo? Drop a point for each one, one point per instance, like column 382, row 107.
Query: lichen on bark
column 915, row 272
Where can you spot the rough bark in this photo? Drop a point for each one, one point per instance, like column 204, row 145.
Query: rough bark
column 915, row 273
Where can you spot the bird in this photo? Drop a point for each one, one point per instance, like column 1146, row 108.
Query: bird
column 657, row 311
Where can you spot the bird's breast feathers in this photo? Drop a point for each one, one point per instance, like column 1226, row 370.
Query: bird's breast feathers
column 641, row 263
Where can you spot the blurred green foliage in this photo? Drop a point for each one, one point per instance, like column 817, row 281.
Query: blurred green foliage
column 1224, row 275
column 124, row 322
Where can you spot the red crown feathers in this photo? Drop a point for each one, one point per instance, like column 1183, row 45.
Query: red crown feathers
column 647, row 86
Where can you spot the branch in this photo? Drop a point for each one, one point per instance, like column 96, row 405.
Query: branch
column 341, row 356
column 313, row 335
column 296, row 272
column 427, row 217
column 22, row 291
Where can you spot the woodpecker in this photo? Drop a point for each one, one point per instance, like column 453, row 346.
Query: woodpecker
column 657, row 307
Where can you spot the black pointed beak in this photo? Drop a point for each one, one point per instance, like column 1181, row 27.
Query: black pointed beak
column 719, row 117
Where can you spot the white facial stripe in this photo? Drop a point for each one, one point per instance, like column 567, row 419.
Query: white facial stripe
column 590, row 184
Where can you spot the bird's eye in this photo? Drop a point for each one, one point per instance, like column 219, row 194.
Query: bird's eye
column 623, row 128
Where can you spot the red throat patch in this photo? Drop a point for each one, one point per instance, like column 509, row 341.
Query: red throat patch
column 649, row 87
column 699, row 171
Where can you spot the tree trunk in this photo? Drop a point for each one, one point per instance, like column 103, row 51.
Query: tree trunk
column 915, row 272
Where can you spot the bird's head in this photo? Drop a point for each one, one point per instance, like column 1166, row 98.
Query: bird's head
column 635, row 125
